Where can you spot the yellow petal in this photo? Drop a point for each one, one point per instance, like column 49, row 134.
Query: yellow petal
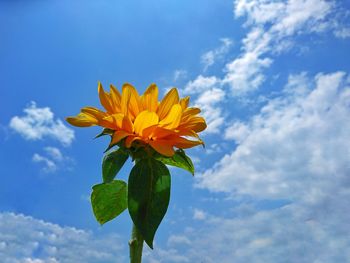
column 184, row 102
column 118, row 136
column 127, row 125
column 130, row 101
column 144, row 120
column 116, row 98
column 171, row 98
column 163, row 147
column 94, row 112
column 130, row 139
column 103, row 119
column 156, row 132
column 196, row 124
column 114, row 121
column 190, row 133
column 82, row 120
column 172, row 120
column 117, row 122
column 190, row 112
column 183, row 143
column 104, row 99
column 197, row 127
column 126, row 93
column 150, row 98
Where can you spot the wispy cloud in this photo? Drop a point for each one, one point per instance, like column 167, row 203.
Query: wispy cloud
column 210, row 95
column 210, row 57
column 237, row 131
column 199, row 214
column 52, row 159
column 39, row 123
column 297, row 146
column 39, row 241
column 165, row 255
column 178, row 240
column 208, row 102
column 274, row 27
column 300, row 232
column 180, row 74
column 273, row 24
column 201, row 84
column 49, row 165
column 244, row 74
column 54, row 153
column 213, row 148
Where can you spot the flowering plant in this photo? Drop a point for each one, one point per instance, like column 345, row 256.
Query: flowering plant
column 154, row 135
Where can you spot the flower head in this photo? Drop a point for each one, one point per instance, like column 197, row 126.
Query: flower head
column 140, row 121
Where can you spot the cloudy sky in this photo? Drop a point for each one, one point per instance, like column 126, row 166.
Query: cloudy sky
column 273, row 80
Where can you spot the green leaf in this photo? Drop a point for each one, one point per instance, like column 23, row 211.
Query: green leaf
column 108, row 200
column 179, row 159
column 148, row 196
column 112, row 163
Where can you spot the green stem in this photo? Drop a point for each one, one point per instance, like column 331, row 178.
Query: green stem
column 135, row 245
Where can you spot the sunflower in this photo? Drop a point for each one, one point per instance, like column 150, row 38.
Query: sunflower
column 142, row 121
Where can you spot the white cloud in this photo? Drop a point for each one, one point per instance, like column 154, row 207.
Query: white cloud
column 178, row 240
column 26, row 239
column 209, row 102
column 238, row 131
column 213, row 148
column 199, row 214
column 273, row 24
column 244, row 74
column 54, row 153
column 52, row 160
column 297, row 149
column 342, row 32
column 180, row 74
column 201, row 84
column 258, row 11
column 210, row 96
column 297, row 146
column 209, row 99
column 35, row 260
column 285, row 17
column 210, row 57
column 164, row 256
column 274, row 27
column 49, row 165
column 299, row 232
column 39, row 123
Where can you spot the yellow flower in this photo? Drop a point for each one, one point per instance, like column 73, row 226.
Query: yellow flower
column 162, row 125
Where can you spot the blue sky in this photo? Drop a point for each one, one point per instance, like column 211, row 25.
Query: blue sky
column 272, row 78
